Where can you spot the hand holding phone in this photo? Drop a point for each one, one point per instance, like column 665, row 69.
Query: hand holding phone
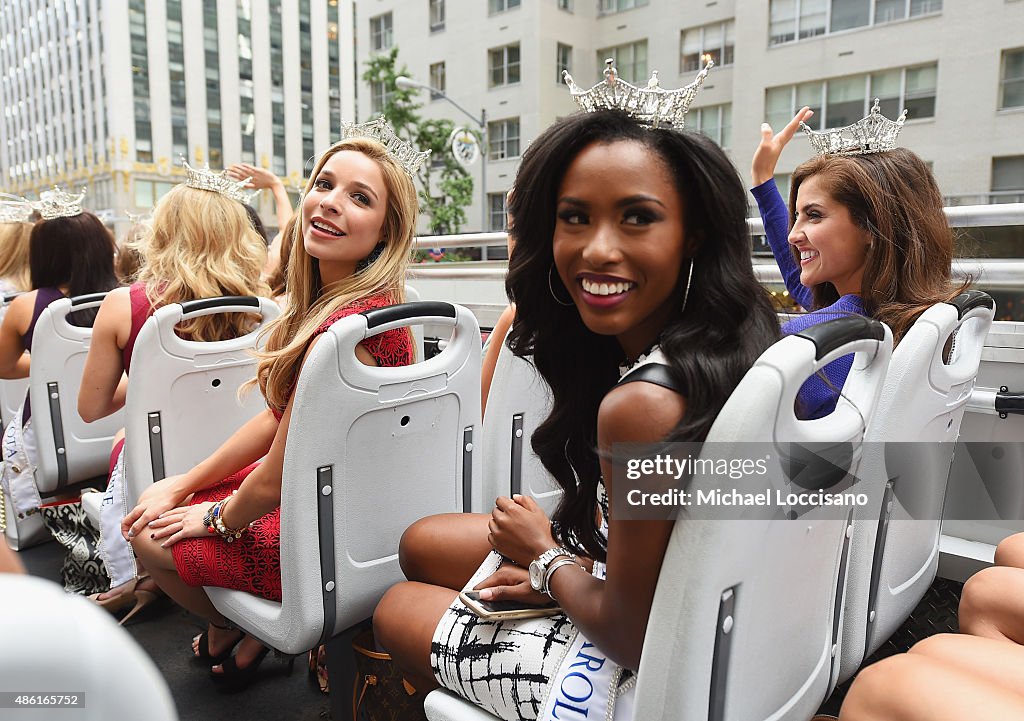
column 504, row 610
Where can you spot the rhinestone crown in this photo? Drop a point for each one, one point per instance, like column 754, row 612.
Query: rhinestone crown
column 58, row 203
column 873, row 134
column 652, row 105
column 14, row 209
column 405, row 154
column 206, row 179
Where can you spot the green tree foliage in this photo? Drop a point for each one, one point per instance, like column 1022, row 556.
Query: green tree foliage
column 446, row 188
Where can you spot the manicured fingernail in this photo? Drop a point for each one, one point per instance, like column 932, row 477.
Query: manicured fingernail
column 486, row 593
column 152, row 535
column 131, row 534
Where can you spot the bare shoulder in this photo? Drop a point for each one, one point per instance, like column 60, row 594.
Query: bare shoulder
column 19, row 311
column 639, row 412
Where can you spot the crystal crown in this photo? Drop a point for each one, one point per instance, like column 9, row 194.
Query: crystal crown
column 405, row 154
column 58, row 203
column 873, row 134
column 652, row 105
column 206, row 179
column 14, row 209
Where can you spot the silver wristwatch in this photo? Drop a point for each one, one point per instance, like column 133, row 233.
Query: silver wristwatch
column 539, row 567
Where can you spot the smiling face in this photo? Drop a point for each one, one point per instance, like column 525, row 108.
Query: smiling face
column 833, row 249
column 343, row 213
column 619, row 241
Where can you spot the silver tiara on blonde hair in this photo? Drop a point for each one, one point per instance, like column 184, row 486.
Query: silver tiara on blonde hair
column 653, row 105
column 206, row 179
column 58, row 203
column 873, row 134
column 14, row 209
column 405, row 154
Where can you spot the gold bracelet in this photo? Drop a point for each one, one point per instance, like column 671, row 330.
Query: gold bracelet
column 228, row 534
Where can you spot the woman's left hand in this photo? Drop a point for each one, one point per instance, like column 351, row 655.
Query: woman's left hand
column 180, row 523
column 519, row 529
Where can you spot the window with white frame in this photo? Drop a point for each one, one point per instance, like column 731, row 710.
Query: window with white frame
column 615, row 6
column 1007, row 180
column 630, row 61
column 496, row 212
column 380, row 97
column 791, row 20
column 710, row 42
column 563, row 61
column 437, row 80
column 381, row 35
column 503, row 64
column 1011, row 78
column 714, row 121
column 436, row 15
column 500, row 6
column 841, row 101
column 503, row 139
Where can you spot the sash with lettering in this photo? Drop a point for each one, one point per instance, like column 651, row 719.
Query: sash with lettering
column 588, row 684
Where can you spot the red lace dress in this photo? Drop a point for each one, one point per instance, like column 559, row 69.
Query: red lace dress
column 253, row 562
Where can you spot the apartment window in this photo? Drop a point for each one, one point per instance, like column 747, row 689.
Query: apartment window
column 500, row 6
column 381, row 36
column 565, row 5
column 630, row 61
column 792, row 20
column 496, row 212
column 1007, row 180
column 504, row 65
column 437, row 80
column 841, row 101
column 436, row 15
column 615, row 6
column 380, row 97
column 716, row 41
column 563, row 61
column 714, row 121
column 149, row 192
column 503, row 139
column 1012, row 79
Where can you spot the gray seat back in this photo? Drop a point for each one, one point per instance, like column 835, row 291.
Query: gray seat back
column 370, row 450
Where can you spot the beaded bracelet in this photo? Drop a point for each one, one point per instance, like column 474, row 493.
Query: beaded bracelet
column 228, row 534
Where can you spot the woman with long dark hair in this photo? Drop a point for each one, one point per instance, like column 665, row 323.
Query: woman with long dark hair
column 864, row 234
column 636, row 299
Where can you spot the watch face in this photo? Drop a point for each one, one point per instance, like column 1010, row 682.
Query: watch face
column 536, row 576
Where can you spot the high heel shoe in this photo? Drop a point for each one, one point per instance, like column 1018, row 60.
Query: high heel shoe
column 115, row 603
column 234, row 678
column 146, row 594
column 205, row 657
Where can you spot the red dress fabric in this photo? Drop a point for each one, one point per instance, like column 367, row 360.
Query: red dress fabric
column 252, row 563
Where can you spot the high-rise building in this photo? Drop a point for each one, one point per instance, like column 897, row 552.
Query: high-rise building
column 957, row 67
column 110, row 94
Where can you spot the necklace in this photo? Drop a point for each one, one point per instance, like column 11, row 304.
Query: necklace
column 626, row 367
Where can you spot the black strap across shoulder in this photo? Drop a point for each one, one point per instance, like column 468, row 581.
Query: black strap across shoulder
column 656, row 373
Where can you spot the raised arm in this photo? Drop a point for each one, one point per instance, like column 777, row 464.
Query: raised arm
column 261, row 178
column 14, row 363
column 772, row 206
column 103, row 381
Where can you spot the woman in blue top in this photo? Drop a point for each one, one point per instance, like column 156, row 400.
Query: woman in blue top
column 863, row 234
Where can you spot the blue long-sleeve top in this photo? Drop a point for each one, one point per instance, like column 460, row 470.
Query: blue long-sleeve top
column 817, row 397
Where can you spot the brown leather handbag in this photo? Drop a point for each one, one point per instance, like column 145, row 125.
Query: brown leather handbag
column 380, row 692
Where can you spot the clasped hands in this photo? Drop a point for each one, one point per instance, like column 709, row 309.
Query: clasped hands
column 520, row 531
column 161, row 514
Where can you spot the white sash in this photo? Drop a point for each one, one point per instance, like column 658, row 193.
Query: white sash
column 587, row 684
column 19, row 465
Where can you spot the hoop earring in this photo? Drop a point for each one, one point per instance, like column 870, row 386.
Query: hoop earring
column 686, row 293
column 552, row 288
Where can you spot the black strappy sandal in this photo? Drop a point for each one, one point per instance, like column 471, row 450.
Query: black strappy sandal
column 234, row 678
column 204, row 655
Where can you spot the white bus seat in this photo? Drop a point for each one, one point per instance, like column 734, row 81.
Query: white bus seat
column 61, row 644
column 733, row 593
column 70, row 450
column 91, row 504
column 12, row 392
column 518, row 401
column 895, row 547
column 370, row 450
column 183, row 400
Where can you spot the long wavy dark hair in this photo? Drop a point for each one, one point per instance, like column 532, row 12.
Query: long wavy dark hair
column 727, row 323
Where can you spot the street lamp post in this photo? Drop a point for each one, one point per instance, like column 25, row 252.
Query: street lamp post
column 409, row 84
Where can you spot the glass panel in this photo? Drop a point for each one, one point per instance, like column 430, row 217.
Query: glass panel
column 1008, row 173
column 888, row 10
column 690, row 49
column 845, row 101
column 512, row 53
column 778, row 106
column 848, row 14
column 1013, row 94
column 727, row 125
column 920, row 84
column 730, row 42
column 782, row 23
column 713, row 37
column 640, row 69
column 809, row 94
column 922, row 7
column 144, row 193
column 813, row 16
column 886, row 87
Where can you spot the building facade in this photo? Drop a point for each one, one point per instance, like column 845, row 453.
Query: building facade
column 957, row 67
column 110, row 94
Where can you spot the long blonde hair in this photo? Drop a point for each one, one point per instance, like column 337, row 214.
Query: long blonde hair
column 14, row 244
column 201, row 245
column 309, row 304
